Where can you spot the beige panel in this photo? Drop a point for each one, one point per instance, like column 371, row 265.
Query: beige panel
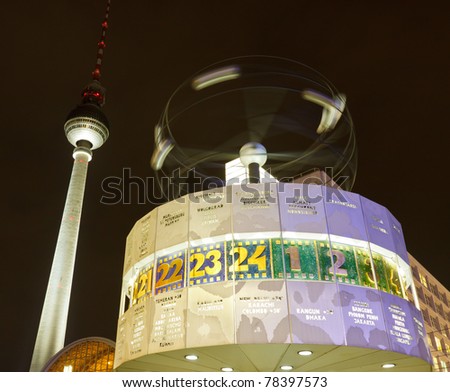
column 144, row 236
column 172, row 223
column 138, row 329
column 168, row 321
column 209, row 214
column 210, row 317
column 120, row 355
column 128, row 259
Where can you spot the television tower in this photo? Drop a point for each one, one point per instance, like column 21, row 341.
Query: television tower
column 86, row 128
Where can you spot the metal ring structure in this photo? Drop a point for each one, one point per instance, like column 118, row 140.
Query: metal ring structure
column 294, row 111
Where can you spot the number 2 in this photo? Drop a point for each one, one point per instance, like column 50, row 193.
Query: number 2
column 197, row 272
column 339, row 262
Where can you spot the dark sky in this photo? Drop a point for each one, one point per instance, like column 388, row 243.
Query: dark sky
column 391, row 59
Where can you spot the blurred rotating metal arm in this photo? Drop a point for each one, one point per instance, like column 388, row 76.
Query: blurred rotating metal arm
column 332, row 108
column 163, row 146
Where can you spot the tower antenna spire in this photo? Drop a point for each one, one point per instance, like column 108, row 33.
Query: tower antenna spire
column 101, row 45
column 86, row 128
column 94, row 91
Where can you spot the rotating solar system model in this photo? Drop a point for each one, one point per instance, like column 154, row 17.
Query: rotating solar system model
column 261, row 110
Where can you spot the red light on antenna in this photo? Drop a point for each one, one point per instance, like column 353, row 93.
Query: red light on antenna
column 105, row 24
column 96, row 74
column 102, row 44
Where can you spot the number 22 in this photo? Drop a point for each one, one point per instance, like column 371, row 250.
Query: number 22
column 164, row 269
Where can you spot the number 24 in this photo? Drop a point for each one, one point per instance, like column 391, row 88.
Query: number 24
column 257, row 258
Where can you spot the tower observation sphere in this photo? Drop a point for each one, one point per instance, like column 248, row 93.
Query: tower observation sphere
column 86, row 125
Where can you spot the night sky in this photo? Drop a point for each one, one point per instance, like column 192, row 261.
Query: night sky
column 391, row 59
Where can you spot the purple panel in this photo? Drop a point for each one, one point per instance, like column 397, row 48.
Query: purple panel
column 362, row 312
column 397, row 235
column 377, row 224
column 315, row 313
column 255, row 208
column 344, row 214
column 302, row 208
column 403, row 326
column 421, row 348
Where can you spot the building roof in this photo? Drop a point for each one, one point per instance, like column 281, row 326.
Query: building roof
column 93, row 354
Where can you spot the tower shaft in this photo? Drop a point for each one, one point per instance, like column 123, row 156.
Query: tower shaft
column 86, row 128
column 52, row 326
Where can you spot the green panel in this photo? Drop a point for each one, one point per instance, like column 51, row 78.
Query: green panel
column 380, row 272
column 345, row 263
column 300, row 259
column 366, row 274
column 393, row 277
column 277, row 259
column 325, row 263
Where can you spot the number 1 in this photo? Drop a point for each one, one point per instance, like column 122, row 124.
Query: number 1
column 294, row 258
